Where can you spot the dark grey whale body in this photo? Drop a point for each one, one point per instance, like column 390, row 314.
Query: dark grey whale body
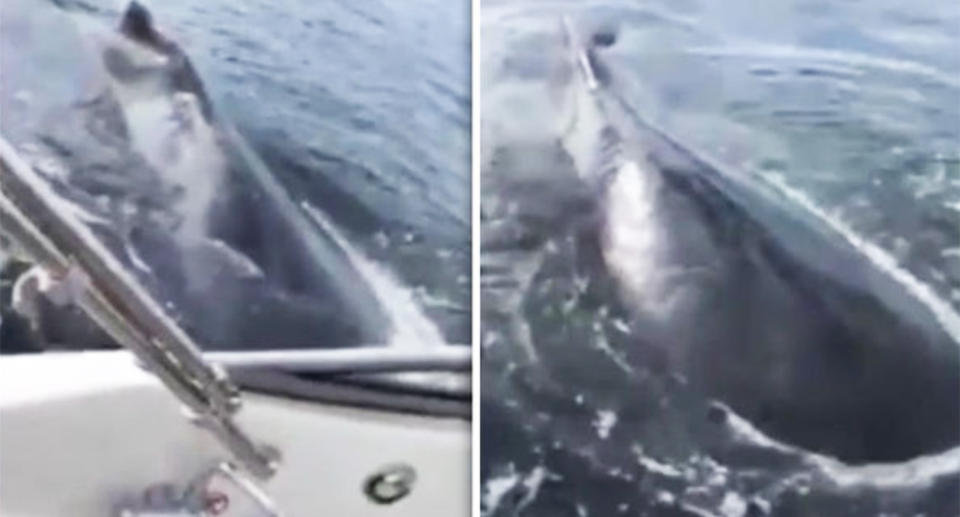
column 775, row 314
column 178, row 194
column 725, row 285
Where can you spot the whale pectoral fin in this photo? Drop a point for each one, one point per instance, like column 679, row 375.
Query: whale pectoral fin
column 228, row 260
column 210, row 264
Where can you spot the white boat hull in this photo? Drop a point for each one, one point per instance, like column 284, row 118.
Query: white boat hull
column 83, row 432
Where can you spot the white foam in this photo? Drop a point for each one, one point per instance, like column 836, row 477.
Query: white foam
column 411, row 327
column 918, row 472
column 941, row 310
column 532, row 483
column 733, row 505
column 497, row 487
column 600, row 343
column 655, row 466
column 604, row 422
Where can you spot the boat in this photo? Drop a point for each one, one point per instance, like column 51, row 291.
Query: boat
column 160, row 427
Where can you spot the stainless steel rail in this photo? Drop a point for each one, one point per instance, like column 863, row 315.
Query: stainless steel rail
column 373, row 359
column 31, row 215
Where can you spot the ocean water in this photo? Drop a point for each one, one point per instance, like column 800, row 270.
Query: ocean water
column 359, row 111
column 851, row 110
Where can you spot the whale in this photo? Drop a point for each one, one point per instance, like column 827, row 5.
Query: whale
column 727, row 286
column 136, row 144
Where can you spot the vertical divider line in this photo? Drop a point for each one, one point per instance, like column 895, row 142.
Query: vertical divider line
column 475, row 255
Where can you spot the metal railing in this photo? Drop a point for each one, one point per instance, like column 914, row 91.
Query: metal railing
column 33, row 217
